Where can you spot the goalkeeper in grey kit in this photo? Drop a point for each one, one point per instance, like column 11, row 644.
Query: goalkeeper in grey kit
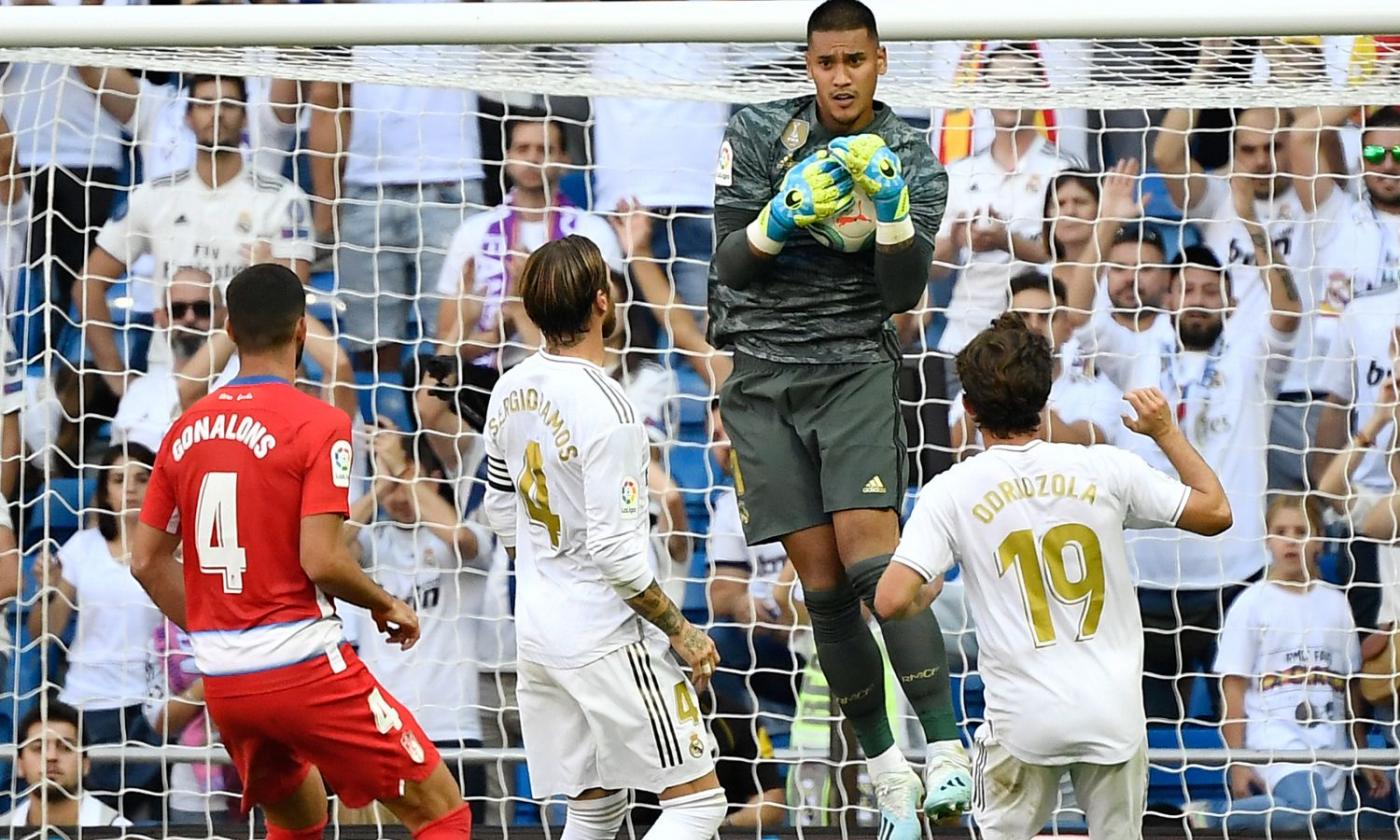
column 812, row 407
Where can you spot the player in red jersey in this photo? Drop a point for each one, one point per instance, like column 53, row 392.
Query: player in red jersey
column 254, row 482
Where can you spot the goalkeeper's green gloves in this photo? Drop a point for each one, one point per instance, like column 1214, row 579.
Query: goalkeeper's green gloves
column 877, row 170
column 815, row 189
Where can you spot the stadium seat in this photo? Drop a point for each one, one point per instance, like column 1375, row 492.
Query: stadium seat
column 383, row 396
column 62, row 503
column 1175, row 785
column 969, row 704
column 321, row 285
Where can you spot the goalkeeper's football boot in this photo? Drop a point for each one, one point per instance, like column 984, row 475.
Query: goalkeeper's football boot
column 897, row 794
column 947, row 780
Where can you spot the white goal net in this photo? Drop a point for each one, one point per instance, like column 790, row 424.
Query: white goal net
column 1102, row 186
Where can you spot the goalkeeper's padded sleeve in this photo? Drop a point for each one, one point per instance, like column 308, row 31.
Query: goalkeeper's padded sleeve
column 736, row 265
column 901, row 271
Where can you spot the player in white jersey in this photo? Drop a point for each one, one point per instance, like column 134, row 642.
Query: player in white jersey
column 221, row 216
column 602, row 707
column 1038, row 529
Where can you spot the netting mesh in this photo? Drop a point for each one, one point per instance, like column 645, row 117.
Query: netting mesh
column 407, row 201
column 1332, row 70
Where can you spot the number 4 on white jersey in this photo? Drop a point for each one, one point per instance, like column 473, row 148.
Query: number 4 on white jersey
column 216, row 530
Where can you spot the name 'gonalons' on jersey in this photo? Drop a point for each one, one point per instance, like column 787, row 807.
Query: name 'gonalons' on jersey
column 567, row 460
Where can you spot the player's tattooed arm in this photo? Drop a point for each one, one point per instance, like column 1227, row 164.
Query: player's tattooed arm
column 657, row 607
column 689, row 642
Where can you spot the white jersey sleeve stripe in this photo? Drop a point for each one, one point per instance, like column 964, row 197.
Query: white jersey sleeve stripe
column 619, row 403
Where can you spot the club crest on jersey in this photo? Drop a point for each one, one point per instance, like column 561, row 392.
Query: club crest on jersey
column 630, row 498
column 794, row 134
column 697, row 748
column 410, row 745
column 341, row 459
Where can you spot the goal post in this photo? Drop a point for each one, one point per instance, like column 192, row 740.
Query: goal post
column 658, row 21
column 1103, row 78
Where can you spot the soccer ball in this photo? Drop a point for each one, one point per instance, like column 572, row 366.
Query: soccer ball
column 851, row 229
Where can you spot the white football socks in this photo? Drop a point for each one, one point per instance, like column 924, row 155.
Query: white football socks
column 595, row 819
column 696, row 816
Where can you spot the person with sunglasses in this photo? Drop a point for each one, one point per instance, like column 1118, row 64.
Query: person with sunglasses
column 1354, row 253
column 191, row 309
column 1257, row 212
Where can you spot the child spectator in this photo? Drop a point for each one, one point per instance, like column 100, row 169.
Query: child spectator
column 1287, row 652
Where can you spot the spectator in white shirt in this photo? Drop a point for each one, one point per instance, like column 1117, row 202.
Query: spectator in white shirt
column 1083, row 406
column 220, row 214
column 155, row 117
column 1352, row 383
column 1130, row 327
column 1380, row 166
column 482, row 321
column 481, row 317
column 14, row 233
column 413, row 543
column 91, row 576
column 1287, row 653
column 193, row 308
column 996, row 208
column 412, row 173
column 73, row 151
column 660, row 154
column 1376, row 217
column 1258, row 178
column 52, row 764
column 1220, row 381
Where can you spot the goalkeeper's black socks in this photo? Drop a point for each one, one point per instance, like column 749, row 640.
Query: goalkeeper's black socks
column 851, row 661
column 915, row 648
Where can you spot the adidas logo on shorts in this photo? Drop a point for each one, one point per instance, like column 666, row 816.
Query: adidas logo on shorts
column 874, row 485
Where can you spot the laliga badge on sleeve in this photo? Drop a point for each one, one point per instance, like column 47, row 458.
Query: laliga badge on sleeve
column 724, row 172
column 341, row 458
column 630, row 499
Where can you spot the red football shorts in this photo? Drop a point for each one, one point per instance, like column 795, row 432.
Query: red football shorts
column 278, row 724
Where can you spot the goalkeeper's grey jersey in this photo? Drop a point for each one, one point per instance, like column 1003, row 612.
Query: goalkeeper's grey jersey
column 813, row 305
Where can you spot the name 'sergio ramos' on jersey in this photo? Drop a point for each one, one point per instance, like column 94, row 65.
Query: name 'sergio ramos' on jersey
column 528, row 399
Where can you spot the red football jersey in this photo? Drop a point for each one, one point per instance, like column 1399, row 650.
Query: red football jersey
column 234, row 477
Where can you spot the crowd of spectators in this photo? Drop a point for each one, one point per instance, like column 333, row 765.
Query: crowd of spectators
column 1250, row 273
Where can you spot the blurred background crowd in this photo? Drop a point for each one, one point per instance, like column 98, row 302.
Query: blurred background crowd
column 1244, row 261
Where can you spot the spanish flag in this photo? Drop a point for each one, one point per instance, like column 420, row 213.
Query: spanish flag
column 955, row 135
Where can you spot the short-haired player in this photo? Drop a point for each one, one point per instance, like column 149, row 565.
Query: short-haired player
column 253, row 481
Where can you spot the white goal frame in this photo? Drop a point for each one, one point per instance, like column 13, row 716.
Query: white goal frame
column 102, row 35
